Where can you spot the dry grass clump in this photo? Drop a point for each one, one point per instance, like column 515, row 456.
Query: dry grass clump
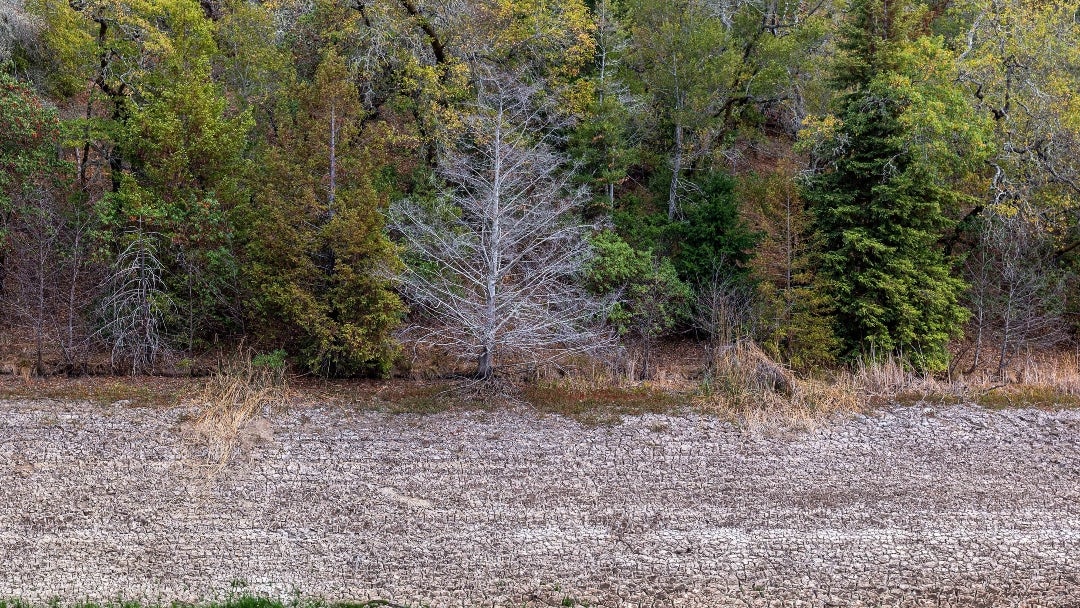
column 1047, row 380
column 1060, row 371
column 746, row 385
column 240, row 393
column 889, row 380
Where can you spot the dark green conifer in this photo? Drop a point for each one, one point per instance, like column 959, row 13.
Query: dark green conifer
column 879, row 211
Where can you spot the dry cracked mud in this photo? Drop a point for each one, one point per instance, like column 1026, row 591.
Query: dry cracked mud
column 909, row 506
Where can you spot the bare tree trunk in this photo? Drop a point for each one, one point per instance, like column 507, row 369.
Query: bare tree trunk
column 39, row 316
column 506, row 242
column 1006, row 337
column 980, row 324
column 69, row 357
column 84, row 157
column 485, row 367
column 646, row 355
column 603, row 11
column 676, row 172
column 437, row 48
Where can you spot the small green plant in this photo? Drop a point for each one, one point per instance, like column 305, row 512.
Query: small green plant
column 273, row 360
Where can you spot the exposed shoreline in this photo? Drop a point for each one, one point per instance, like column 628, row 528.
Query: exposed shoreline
column 908, row 506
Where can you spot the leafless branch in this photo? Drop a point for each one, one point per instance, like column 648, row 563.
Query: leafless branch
column 497, row 256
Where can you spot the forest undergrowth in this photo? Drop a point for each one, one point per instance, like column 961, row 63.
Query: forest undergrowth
column 239, row 391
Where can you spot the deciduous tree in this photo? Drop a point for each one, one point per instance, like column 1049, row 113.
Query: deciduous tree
column 495, row 260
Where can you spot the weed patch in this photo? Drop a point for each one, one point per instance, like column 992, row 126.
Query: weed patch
column 233, row 396
column 601, row 404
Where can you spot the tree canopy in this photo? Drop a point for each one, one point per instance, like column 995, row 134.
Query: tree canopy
column 507, row 178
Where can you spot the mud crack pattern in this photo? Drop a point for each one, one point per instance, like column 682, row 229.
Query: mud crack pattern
column 910, row 506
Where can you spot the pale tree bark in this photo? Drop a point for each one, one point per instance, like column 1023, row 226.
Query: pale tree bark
column 494, row 260
column 134, row 305
column 676, row 173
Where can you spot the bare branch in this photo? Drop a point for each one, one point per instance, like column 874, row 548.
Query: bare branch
column 496, row 258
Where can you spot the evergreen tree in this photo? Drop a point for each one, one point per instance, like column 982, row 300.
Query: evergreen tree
column 316, row 252
column 879, row 210
column 713, row 238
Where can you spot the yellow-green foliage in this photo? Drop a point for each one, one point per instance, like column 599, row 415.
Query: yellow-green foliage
column 318, row 263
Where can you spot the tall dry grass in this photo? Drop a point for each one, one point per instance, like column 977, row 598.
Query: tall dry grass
column 1060, row 370
column 744, row 384
column 242, row 389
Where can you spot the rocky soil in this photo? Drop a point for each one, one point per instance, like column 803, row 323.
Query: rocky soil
column 907, row 507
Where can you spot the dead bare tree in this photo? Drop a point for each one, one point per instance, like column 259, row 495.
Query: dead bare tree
column 1017, row 292
column 46, row 265
column 132, row 310
column 726, row 310
column 33, row 272
column 495, row 259
column 78, row 288
column 723, row 308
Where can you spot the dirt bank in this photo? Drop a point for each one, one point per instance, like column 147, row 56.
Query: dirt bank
column 910, row 506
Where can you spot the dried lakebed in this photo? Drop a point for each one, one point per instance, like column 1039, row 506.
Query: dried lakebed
column 909, row 506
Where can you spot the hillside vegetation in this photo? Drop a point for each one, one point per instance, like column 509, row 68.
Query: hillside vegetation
column 529, row 189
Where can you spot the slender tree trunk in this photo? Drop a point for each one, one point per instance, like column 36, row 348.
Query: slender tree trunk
column 69, row 354
column 39, row 321
column 3, row 269
column 114, row 156
column 437, row 47
column 191, row 307
column 485, row 365
column 84, row 158
column 1006, row 335
column 333, row 160
column 646, row 354
column 676, row 172
column 603, row 10
column 789, row 246
column 978, row 340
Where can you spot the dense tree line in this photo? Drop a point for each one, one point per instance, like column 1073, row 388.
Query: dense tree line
column 515, row 180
